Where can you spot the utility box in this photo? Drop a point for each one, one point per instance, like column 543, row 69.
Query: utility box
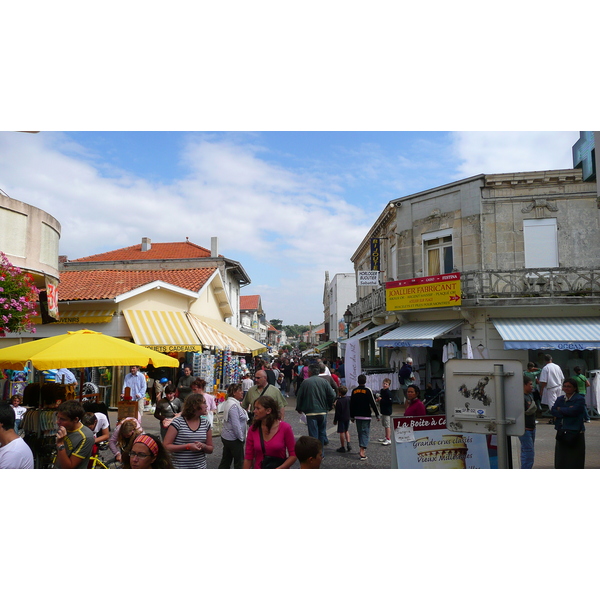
column 472, row 396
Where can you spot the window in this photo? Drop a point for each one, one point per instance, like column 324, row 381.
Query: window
column 438, row 256
column 541, row 243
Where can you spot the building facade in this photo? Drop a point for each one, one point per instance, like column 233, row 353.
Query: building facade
column 523, row 249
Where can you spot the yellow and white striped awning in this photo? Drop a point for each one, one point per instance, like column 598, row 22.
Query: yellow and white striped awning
column 213, row 337
column 80, row 316
column 162, row 330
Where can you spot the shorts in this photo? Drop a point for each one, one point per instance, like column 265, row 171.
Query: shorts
column 343, row 426
column 386, row 420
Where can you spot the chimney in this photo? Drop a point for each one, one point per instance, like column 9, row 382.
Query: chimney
column 214, row 247
column 146, row 244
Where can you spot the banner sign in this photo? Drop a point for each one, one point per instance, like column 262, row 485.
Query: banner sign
column 426, row 443
column 423, row 292
column 375, row 254
column 368, row 278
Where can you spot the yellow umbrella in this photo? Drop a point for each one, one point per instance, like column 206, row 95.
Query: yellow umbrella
column 78, row 349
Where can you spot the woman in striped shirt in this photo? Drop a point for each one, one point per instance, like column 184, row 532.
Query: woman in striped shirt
column 189, row 437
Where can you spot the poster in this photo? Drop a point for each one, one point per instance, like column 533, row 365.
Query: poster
column 423, row 292
column 352, row 365
column 426, row 443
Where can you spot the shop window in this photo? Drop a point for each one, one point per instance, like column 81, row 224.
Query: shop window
column 541, row 243
column 438, row 255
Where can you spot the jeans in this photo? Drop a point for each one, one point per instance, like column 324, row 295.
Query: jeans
column 363, row 427
column 527, row 453
column 317, row 427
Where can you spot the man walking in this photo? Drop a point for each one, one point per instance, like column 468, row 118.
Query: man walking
column 551, row 379
column 14, row 452
column 315, row 399
column 263, row 388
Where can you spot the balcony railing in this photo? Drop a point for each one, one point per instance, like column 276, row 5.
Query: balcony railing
column 562, row 282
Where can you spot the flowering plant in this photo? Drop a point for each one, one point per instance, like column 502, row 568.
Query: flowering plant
column 18, row 296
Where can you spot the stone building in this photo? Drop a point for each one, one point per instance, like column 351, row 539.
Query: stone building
column 524, row 249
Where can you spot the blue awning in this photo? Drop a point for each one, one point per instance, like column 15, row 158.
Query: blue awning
column 549, row 333
column 418, row 334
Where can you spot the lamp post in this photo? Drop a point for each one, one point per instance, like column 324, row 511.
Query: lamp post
column 348, row 320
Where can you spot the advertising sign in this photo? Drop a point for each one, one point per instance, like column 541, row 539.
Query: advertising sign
column 423, row 292
column 426, row 443
column 375, row 254
column 368, row 278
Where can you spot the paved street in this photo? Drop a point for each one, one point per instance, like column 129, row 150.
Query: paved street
column 380, row 456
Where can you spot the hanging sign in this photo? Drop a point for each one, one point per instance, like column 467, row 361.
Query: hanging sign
column 375, row 254
column 423, row 292
column 368, row 278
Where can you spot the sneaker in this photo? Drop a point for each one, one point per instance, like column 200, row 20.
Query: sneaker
column 348, row 448
column 381, row 440
column 341, row 449
column 386, row 443
column 363, row 458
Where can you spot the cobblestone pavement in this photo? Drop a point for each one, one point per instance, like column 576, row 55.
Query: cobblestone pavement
column 379, row 456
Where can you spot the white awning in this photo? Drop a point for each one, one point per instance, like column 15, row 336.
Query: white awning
column 370, row 332
column 417, row 334
column 550, row 333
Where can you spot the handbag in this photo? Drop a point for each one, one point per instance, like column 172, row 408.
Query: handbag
column 568, row 437
column 268, row 462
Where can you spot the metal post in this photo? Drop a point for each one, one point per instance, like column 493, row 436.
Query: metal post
column 500, row 418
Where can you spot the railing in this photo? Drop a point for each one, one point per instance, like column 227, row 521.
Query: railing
column 514, row 283
column 531, row 283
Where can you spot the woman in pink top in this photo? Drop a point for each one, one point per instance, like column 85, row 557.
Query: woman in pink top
column 277, row 435
column 415, row 408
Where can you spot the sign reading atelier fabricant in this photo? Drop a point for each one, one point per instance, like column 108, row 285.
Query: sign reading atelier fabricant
column 368, row 278
column 423, row 292
column 375, row 254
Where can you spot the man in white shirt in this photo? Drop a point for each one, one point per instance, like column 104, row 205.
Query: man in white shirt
column 67, row 376
column 14, row 452
column 136, row 382
column 551, row 380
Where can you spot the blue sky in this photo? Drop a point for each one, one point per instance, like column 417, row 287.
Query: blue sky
column 287, row 205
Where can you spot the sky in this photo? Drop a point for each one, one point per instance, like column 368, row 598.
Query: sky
column 288, row 206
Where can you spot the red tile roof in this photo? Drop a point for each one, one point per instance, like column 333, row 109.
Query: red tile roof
column 158, row 251
column 249, row 302
column 99, row 285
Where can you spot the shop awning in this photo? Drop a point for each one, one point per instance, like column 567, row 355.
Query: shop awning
column 418, row 334
column 369, row 333
column 322, row 347
column 80, row 316
column 214, row 338
column 228, row 335
column 549, row 333
column 162, row 330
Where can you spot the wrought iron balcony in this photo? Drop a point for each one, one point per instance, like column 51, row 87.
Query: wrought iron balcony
column 567, row 285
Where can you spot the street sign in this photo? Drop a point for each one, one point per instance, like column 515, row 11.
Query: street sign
column 472, row 396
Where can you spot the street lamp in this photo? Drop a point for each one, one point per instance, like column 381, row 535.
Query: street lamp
column 348, row 320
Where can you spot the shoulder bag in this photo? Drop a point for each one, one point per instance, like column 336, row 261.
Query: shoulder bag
column 268, row 462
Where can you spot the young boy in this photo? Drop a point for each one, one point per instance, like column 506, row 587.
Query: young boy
column 341, row 418
column 385, row 406
column 309, row 452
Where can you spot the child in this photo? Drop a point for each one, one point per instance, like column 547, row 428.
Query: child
column 309, row 452
column 385, row 406
column 341, row 418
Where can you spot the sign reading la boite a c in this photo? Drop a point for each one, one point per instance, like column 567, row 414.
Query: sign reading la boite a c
column 423, row 292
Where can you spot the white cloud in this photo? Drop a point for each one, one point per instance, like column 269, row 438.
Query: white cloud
column 512, row 152
column 282, row 223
